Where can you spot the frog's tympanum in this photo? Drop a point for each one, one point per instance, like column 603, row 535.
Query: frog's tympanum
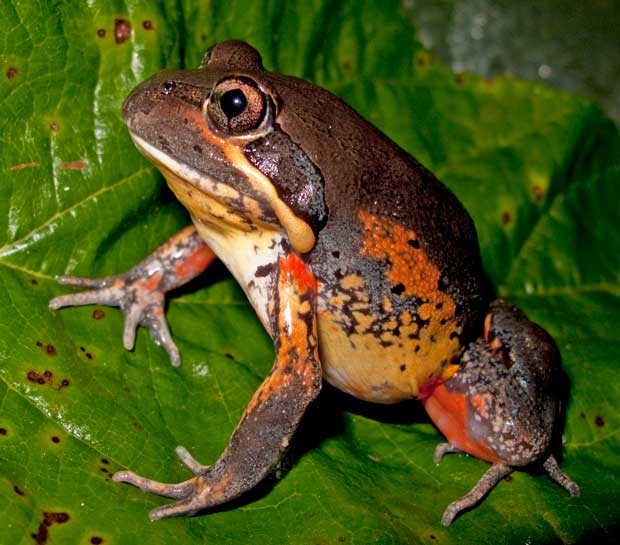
column 363, row 268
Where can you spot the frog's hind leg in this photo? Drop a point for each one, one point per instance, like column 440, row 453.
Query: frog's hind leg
column 501, row 402
column 273, row 414
column 140, row 292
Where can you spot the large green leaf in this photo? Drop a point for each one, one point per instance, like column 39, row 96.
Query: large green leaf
column 537, row 169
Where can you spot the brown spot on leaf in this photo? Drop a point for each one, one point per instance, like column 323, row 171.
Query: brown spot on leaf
column 54, row 126
column 346, row 65
column 432, row 537
column 72, row 165
column 403, row 367
column 98, row 314
column 89, row 355
column 18, row 490
column 229, row 356
column 105, row 461
column 506, row 217
column 55, row 439
column 147, row 25
column 203, row 38
column 508, row 478
column 104, row 470
column 49, row 519
column 122, row 30
column 459, row 79
column 65, row 382
column 599, row 421
column 341, row 539
column 3, row 431
column 39, row 343
column 22, row 166
column 538, row 192
column 35, row 376
column 421, row 61
column 11, row 72
column 34, row 282
column 50, row 349
column 101, row 32
column 96, row 540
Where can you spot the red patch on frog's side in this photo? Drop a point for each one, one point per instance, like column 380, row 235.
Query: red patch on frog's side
column 294, row 266
column 449, row 412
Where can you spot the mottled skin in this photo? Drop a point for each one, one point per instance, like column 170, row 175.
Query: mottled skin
column 361, row 265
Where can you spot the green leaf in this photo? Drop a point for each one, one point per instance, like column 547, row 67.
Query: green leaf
column 538, row 170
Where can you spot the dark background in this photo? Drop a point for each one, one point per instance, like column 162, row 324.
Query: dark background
column 570, row 45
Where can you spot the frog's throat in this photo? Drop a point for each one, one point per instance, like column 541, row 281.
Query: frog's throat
column 300, row 234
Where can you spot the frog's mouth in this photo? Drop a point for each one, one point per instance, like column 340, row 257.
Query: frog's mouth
column 208, row 199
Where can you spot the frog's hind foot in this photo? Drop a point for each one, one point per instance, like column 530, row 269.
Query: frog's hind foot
column 140, row 293
column 493, row 475
column 191, row 495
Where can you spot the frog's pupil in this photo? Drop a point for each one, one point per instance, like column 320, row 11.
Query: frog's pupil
column 233, row 103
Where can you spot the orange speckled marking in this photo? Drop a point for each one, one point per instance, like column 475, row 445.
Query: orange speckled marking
column 481, row 402
column 409, row 266
column 448, row 411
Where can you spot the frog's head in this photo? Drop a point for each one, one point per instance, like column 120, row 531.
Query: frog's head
column 216, row 135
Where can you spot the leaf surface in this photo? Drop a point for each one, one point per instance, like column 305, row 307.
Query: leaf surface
column 538, row 171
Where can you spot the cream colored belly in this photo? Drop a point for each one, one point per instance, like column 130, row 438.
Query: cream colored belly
column 367, row 369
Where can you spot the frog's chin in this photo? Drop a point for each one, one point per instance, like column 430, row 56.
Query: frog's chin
column 205, row 197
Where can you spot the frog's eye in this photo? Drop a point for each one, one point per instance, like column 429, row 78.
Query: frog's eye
column 237, row 106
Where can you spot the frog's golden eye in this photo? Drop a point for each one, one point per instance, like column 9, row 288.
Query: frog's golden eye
column 237, row 106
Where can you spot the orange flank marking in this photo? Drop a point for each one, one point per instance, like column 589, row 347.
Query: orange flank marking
column 449, row 412
column 293, row 265
column 195, row 263
column 410, row 267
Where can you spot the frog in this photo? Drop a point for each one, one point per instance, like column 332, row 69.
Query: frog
column 364, row 269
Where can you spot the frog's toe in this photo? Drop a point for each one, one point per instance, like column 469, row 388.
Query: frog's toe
column 192, row 495
column 444, row 448
column 141, row 303
column 190, row 462
column 553, row 470
column 104, row 292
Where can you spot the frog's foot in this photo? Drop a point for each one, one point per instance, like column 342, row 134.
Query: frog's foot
column 553, row 470
column 494, row 474
column 444, row 448
column 140, row 293
column 192, row 495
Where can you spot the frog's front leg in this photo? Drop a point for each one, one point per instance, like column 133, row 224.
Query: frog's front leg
column 141, row 291
column 273, row 414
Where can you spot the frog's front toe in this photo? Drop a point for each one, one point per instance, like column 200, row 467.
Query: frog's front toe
column 141, row 303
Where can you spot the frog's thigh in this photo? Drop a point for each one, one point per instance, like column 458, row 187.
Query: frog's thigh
column 274, row 412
